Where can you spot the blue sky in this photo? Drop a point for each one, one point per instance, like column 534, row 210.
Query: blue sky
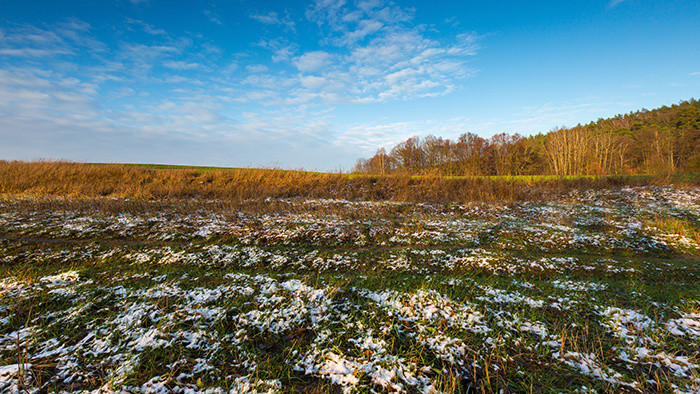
column 319, row 84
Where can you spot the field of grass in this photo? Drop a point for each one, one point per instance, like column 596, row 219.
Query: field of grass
column 577, row 290
column 149, row 182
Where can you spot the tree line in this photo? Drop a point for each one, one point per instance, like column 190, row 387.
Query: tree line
column 665, row 140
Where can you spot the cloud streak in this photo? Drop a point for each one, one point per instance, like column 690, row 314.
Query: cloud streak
column 272, row 18
column 615, row 3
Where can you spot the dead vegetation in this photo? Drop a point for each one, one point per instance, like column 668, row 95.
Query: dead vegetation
column 78, row 180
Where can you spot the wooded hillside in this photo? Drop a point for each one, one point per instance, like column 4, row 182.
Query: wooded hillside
column 660, row 141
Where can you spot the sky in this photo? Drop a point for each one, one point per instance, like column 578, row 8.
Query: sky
column 319, row 84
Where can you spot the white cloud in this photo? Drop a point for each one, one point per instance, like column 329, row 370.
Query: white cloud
column 213, row 17
column 371, row 53
column 283, row 54
column 367, row 5
column 146, row 27
column 404, row 74
column 542, row 117
column 210, row 49
column 138, row 60
column 32, row 52
column 95, row 93
column 269, row 19
column 67, row 122
column 272, row 18
column 313, row 82
column 614, row 3
column 282, row 49
column 256, row 68
column 64, row 38
column 180, row 65
column 47, row 98
column 364, row 29
column 387, row 50
column 313, row 61
column 326, row 11
column 366, row 138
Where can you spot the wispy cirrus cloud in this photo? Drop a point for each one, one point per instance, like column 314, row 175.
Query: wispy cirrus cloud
column 282, row 49
column 367, row 137
column 213, row 17
column 32, row 52
column 371, row 51
column 180, row 65
column 615, row 3
column 273, row 18
column 32, row 41
column 59, row 116
column 119, row 107
column 538, row 118
column 146, row 27
column 150, row 83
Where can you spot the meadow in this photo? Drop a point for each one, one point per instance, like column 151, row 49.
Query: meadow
column 183, row 280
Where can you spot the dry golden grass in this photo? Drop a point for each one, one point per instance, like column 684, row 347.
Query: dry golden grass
column 78, row 180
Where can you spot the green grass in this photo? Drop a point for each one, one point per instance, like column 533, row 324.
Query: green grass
column 477, row 298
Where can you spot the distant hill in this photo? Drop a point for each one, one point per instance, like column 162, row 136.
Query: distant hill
column 665, row 140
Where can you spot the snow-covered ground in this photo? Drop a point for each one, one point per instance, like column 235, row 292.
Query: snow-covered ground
column 600, row 288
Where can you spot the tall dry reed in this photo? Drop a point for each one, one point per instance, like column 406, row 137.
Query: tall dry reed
column 78, row 180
